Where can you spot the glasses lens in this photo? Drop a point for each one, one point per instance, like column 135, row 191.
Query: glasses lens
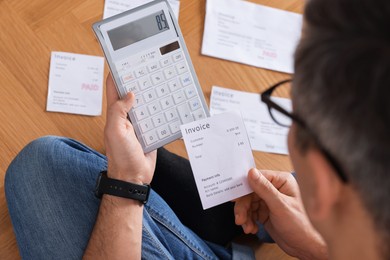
column 281, row 97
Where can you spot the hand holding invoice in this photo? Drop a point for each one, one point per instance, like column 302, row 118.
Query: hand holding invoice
column 220, row 156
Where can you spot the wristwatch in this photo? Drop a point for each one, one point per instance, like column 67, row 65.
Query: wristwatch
column 106, row 185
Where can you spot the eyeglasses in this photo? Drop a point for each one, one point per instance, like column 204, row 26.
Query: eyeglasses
column 283, row 116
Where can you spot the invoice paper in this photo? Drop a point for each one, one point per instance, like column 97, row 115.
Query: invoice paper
column 114, row 7
column 251, row 34
column 75, row 84
column 264, row 134
column 220, row 157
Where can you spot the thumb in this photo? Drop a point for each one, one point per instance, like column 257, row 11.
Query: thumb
column 120, row 108
column 126, row 103
column 264, row 189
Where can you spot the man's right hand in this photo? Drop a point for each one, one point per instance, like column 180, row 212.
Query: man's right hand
column 276, row 203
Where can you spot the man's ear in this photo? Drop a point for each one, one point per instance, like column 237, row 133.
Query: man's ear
column 327, row 186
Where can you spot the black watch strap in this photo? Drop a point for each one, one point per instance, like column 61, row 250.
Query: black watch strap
column 106, row 185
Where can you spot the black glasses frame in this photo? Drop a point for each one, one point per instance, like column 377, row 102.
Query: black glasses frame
column 266, row 98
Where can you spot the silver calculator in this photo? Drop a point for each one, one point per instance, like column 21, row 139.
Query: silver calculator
column 146, row 53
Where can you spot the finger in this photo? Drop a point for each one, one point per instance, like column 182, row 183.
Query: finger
column 250, row 226
column 264, row 189
column 245, row 210
column 127, row 102
column 111, row 92
column 251, row 223
column 241, row 208
column 121, row 107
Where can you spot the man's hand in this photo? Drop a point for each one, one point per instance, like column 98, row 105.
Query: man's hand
column 126, row 159
column 277, row 204
column 118, row 229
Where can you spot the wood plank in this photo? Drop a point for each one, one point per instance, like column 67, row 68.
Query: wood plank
column 24, row 54
column 8, row 247
column 67, row 34
column 40, row 13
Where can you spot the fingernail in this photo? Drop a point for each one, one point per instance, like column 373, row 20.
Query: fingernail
column 243, row 226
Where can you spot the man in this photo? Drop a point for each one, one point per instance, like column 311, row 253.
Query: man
column 338, row 143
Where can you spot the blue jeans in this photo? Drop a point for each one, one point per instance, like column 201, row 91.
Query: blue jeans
column 50, row 194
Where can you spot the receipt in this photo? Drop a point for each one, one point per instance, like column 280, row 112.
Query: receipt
column 251, row 34
column 220, row 157
column 264, row 134
column 114, row 7
column 75, row 84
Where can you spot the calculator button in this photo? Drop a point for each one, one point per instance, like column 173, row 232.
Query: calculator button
column 199, row 114
column 163, row 132
column 185, row 79
column 127, row 77
column 165, row 62
column 185, row 113
column 177, row 56
column 171, row 114
column 158, row 120
column 146, row 125
column 132, row 87
column 157, row 78
column 181, row 67
column 178, row 97
column 138, row 101
column 190, row 91
column 162, row 90
column 150, row 137
column 152, row 67
column 149, row 96
column 141, row 113
column 166, row 102
column 174, row 85
column 169, row 72
column 154, row 108
column 194, row 104
column 140, row 72
column 144, row 83
column 175, row 127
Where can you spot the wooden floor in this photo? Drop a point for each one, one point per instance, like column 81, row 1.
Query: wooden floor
column 31, row 29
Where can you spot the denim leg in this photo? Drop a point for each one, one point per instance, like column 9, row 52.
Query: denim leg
column 49, row 189
column 179, row 241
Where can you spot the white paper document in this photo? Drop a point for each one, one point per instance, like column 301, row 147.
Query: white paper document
column 251, row 34
column 220, row 157
column 264, row 134
column 114, row 7
column 75, row 84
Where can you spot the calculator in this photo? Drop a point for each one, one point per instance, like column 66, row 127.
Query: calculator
column 146, row 54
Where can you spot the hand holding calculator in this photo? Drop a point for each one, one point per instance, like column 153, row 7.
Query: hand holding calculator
column 147, row 55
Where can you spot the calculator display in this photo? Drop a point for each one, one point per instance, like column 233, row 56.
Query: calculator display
column 138, row 30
